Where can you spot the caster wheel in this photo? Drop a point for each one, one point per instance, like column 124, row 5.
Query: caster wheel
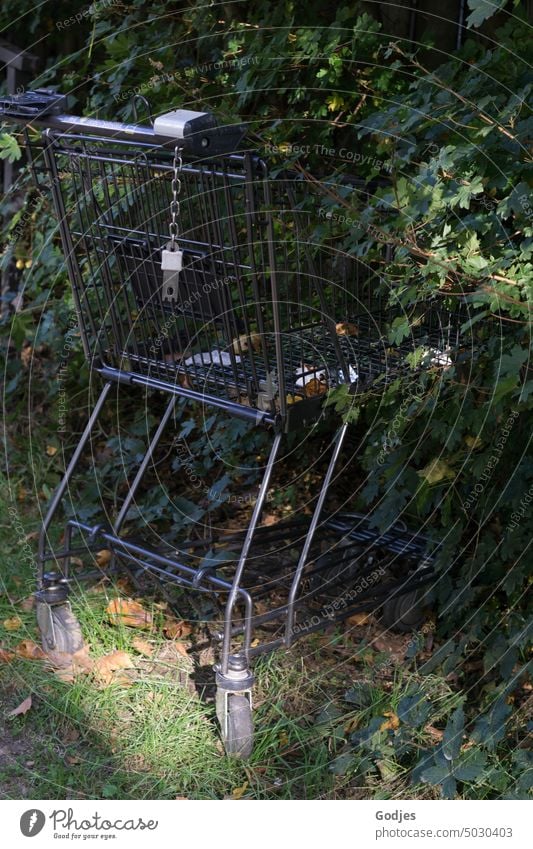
column 240, row 736
column 60, row 630
column 404, row 613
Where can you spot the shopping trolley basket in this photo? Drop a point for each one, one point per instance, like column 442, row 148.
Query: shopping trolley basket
column 195, row 272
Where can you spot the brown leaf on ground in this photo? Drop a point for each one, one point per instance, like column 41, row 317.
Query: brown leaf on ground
column 29, row 650
column 238, row 792
column 125, row 585
column 315, row 387
column 105, row 666
column 181, row 648
column 13, row 623
column 6, row 656
column 103, row 557
column 51, row 450
column 174, row 628
column 270, row 519
column 346, row 328
column 26, row 355
column 142, row 646
column 125, row 611
column 71, row 735
column 22, row 708
column 28, row 604
column 390, row 724
column 436, row 733
column 359, row 619
column 68, row 666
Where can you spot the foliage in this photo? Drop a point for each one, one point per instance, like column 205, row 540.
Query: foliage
column 435, row 161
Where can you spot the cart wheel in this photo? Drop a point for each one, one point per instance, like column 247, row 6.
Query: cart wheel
column 404, row 613
column 60, row 630
column 240, row 738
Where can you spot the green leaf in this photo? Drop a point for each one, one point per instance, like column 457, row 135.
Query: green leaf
column 481, row 10
column 360, row 695
column 342, row 763
column 449, row 788
column 9, row 148
column 452, row 739
column 470, row 767
column 414, row 710
column 435, row 774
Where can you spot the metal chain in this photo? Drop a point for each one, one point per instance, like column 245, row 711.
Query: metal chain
column 177, row 166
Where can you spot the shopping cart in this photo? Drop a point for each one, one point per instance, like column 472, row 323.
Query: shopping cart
column 195, row 273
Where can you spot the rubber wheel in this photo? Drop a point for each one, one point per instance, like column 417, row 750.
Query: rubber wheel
column 403, row 613
column 58, row 621
column 240, row 740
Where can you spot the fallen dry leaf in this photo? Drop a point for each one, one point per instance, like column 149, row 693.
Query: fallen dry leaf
column 51, row 450
column 390, row 724
column 29, row 650
column 359, row 619
column 142, row 646
column 71, row 735
column 181, row 648
column 436, row 733
column 238, row 792
column 103, row 557
column 67, row 666
column 12, row 624
column 345, row 328
column 125, row 611
column 315, row 387
column 106, row 665
column 173, row 629
column 22, row 708
column 270, row 519
column 28, row 603
column 26, row 355
column 6, row 656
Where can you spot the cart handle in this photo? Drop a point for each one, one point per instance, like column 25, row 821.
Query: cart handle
column 197, row 132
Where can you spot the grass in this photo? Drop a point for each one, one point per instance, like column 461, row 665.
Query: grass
column 153, row 734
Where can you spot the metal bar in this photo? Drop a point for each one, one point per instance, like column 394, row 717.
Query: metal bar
column 275, row 299
column 258, row 417
column 311, row 532
column 68, row 248
column 60, row 491
column 242, row 561
column 144, row 465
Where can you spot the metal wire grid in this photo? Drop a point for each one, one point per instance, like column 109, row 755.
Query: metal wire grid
column 259, row 308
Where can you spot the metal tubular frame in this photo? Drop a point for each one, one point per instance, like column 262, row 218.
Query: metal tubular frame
column 258, row 319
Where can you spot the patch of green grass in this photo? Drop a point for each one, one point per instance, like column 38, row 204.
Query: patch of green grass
column 320, row 710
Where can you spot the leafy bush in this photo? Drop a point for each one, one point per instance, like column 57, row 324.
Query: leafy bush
column 435, row 161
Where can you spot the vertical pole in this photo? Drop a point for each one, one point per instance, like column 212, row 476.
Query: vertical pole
column 261, row 495
column 341, row 433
